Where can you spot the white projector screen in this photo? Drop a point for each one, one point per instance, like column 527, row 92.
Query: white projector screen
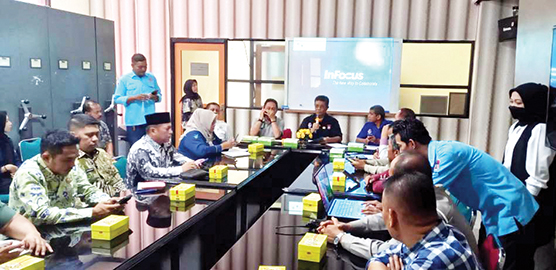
column 355, row 73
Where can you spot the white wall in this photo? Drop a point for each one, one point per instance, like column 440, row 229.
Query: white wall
column 534, row 40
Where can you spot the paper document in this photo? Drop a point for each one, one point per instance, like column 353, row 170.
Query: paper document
column 236, row 152
column 337, row 145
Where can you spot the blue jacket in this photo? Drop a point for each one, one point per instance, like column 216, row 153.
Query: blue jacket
column 195, row 146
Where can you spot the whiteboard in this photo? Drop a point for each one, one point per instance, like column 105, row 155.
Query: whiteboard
column 354, row 73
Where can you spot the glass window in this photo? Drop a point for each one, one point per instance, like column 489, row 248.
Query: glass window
column 269, row 61
column 238, row 60
column 238, row 94
column 270, row 90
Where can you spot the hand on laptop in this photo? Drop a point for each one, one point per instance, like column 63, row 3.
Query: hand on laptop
column 371, row 207
column 359, row 164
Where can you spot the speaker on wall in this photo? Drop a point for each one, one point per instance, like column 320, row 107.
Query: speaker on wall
column 507, row 28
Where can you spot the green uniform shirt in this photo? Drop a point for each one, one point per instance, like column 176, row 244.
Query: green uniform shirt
column 101, row 172
column 45, row 198
column 6, row 214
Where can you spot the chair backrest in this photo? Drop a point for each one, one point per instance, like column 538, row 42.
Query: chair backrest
column 29, row 148
column 287, row 133
column 120, row 164
column 492, row 254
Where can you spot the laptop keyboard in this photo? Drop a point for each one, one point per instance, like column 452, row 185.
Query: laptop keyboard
column 347, row 208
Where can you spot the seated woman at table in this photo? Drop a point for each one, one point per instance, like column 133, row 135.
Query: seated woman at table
column 199, row 140
column 9, row 158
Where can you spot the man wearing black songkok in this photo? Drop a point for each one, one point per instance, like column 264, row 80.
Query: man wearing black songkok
column 153, row 157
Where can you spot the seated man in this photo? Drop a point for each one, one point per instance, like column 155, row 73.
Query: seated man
column 93, row 109
column 409, row 211
column 50, row 189
column 95, row 162
column 222, row 130
column 371, row 132
column 366, row 247
column 402, row 114
column 153, row 157
column 481, row 183
column 324, row 127
column 268, row 124
column 374, row 165
column 17, row 227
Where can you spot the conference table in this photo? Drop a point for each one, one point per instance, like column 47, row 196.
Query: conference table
column 202, row 232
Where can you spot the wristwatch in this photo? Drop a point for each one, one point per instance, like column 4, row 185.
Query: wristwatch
column 338, row 238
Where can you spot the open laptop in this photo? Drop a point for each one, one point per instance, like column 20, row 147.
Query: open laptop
column 343, row 208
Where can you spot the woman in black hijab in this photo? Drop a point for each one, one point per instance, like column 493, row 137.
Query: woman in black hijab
column 191, row 100
column 9, row 159
column 527, row 156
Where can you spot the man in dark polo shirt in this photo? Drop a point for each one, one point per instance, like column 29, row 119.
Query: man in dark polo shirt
column 324, row 127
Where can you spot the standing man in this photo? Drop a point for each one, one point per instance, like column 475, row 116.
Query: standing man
column 93, row 109
column 482, row 183
column 324, row 127
column 137, row 91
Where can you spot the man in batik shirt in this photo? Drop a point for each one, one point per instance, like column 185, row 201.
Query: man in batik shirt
column 50, row 189
column 95, row 162
column 153, row 157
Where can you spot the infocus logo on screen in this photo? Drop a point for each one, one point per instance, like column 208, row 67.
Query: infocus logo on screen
column 343, row 76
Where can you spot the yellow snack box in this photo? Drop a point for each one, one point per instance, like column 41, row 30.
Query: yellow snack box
column 338, row 164
column 218, row 172
column 25, row 262
column 219, row 180
column 255, row 148
column 312, row 203
column 271, row 267
column 305, row 265
column 338, row 182
column 339, row 177
column 109, row 247
column 312, row 247
column 182, row 192
column 309, row 215
column 109, row 227
column 182, row 206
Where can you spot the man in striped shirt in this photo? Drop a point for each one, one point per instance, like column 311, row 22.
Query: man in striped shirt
column 409, row 212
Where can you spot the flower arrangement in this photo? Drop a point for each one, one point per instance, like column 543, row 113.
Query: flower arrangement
column 304, row 134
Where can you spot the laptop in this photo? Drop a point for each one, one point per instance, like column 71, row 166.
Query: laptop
column 343, row 208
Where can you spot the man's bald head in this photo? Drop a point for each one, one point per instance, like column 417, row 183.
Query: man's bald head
column 411, row 161
column 412, row 196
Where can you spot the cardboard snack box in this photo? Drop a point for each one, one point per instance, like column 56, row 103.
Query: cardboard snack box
column 109, row 227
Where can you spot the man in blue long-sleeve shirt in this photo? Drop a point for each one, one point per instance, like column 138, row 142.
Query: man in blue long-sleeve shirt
column 483, row 184
column 137, row 91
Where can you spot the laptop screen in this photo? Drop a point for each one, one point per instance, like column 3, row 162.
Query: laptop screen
column 323, row 185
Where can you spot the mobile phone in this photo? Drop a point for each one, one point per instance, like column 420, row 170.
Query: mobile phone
column 200, row 162
column 125, row 199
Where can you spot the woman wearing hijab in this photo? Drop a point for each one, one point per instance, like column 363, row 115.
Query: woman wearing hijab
column 191, row 100
column 527, row 156
column 9, row 159
column 199, row 140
